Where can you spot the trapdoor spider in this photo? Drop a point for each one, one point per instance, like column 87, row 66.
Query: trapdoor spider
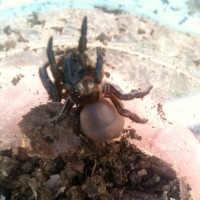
column 80, row 84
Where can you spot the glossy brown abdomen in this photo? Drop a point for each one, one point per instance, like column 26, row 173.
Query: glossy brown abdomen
column 100, row 121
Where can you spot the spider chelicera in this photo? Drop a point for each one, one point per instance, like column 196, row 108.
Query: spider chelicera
column 80, row 84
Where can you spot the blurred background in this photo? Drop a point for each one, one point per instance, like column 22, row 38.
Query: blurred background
column 182, row 15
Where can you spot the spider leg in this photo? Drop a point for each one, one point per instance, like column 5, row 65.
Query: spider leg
column 83, row 39
column 51, row 58
column 124, row 112
column 67, row 75
column 110, row 89
column 76, row 127
column 66, row 108
column 99, row 66
column 54, row 68
column 78, row 75
column 82, row 57
column 76, row 120
column 71, row 76
column 48, row 84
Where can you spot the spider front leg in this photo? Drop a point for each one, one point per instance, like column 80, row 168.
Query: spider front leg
column 83, row 39
column 54, row 68
column 54, row 90
column 83, row 43
column 51, row 89
column 52, row 62
column 99, row 66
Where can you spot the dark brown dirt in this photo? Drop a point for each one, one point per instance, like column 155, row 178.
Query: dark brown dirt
column 111, row 170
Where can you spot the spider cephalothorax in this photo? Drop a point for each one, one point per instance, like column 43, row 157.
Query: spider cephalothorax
column 80, row 84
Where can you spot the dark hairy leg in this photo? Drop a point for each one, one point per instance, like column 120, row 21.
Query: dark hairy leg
column 54, row 68
column 99, row 66
column 110, row 89
column 83, row 39
column 76, row 127
column 124, row 112
column 76, row 121
column 50, row 54
column 66, row 108
column 51, row 59
column 83, row 43
column 67, row 75
column 48, row 84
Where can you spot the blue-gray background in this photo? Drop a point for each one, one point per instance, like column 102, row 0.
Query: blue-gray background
column 183, row 15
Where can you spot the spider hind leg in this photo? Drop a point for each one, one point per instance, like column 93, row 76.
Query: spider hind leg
column 126, row 113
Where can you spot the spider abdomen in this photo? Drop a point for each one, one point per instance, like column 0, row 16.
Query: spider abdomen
column 100, row 121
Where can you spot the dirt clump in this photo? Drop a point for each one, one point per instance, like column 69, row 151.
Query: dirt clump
column 110, row 170
column 114, row 170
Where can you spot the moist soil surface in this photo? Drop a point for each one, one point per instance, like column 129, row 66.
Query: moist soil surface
column 110, row 170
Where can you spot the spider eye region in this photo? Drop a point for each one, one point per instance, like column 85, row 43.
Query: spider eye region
column 85, row 91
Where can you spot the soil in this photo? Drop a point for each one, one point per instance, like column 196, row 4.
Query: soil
column 76, row 170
